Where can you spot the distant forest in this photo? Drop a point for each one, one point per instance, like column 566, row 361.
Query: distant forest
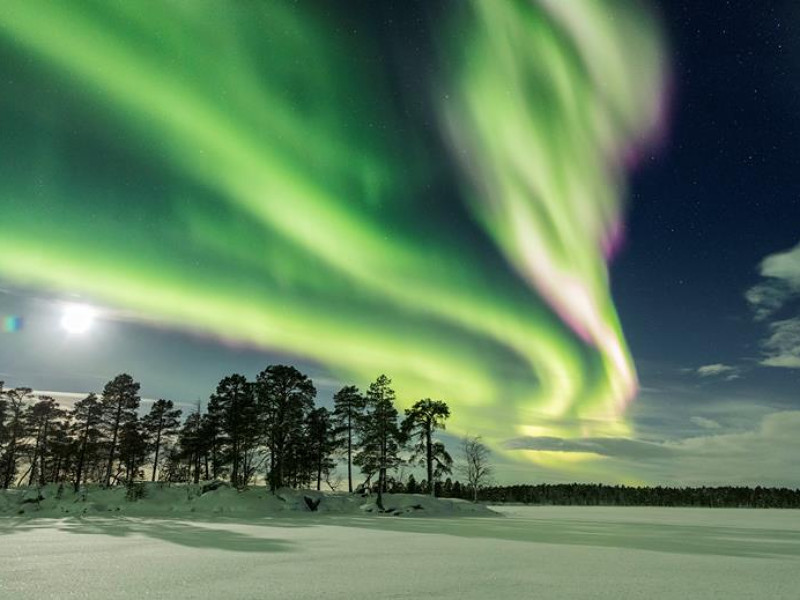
column 582, row 494
column 269, row 430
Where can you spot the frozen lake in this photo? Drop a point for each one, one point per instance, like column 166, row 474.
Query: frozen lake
column 531, row 552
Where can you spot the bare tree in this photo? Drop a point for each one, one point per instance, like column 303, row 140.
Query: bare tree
column 476, row 466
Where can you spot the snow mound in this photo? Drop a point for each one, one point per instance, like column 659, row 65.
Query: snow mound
column 210, row 499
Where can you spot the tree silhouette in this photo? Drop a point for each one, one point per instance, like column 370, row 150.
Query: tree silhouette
column 476, row 466
column 41, row 420
column 285, row 396
column 87, row 415
column 234, row 405
column 380, row 435
column 422, row 420
column 14, row 432
column 3, row 406
column 133, row 448
column 120, row 402
column 348, row 407
column 159, row 424
column 321, row 443
column 192, row 445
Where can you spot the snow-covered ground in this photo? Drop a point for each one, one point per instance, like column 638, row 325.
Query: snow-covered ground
column 217, row 499
column 530, row 552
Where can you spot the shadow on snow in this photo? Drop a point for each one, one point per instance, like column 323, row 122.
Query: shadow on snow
column 181, row 532
column 211, row 533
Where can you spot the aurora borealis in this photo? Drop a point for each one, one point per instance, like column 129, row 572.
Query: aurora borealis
column 247, row 172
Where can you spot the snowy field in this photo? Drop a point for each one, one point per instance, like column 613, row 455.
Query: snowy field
column 529, row 552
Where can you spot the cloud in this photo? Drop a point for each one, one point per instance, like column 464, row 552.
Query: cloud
column 763, row 455
column 782, row 347
column 779, row 290
column 719, row 370
column 610, row 446
column 766, row 455
column 68, row 399
column 782, row 283
column 768, row 298
column 783, row 266
column 705, row 423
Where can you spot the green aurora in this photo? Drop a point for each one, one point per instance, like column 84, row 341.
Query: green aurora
column 243, row 170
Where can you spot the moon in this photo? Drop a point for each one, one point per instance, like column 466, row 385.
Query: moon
column 77, row 318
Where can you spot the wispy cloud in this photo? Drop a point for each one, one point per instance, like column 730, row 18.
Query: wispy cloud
column 777, row 293
column 768, row 298
column 728, row 372
column 705, row 423
column 781, row 273
column 782, row 347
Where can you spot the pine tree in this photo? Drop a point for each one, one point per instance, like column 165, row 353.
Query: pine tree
column 348, row 408
column 212, row 440
column 285, row 397
column 120, row 403
column 175, row 468
column 61, row 449
column 321, row 443
column 380, row 437
column 15, row 430
column 191, row 443
column 160, row 424
column 422, row 420
column 132, row 448
column 87, row 417
column 41, row 420
column 234, row 405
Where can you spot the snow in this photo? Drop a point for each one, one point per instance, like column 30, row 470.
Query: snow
column 218, row 499
column 542, row 552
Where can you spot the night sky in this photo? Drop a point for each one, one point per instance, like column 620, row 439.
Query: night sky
column 429, row 191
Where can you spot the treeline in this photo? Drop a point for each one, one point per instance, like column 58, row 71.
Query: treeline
column 268, row 429
column 578, row 494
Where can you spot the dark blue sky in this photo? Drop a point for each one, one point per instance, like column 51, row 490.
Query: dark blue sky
column 723, row 192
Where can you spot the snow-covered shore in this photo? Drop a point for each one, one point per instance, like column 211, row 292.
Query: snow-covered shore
column 218, row 499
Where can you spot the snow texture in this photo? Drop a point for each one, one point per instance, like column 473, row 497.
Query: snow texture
column 529, row 552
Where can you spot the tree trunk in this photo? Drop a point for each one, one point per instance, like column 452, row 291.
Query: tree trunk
column 158, row 444
column 113, row 445
column 379, row 502
column 429, row 452
column 272, row 465
column 42, row 454
column 81, row 458
column 35, row 458
column 349, row 455
column 11, row 451
column 214, row 466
